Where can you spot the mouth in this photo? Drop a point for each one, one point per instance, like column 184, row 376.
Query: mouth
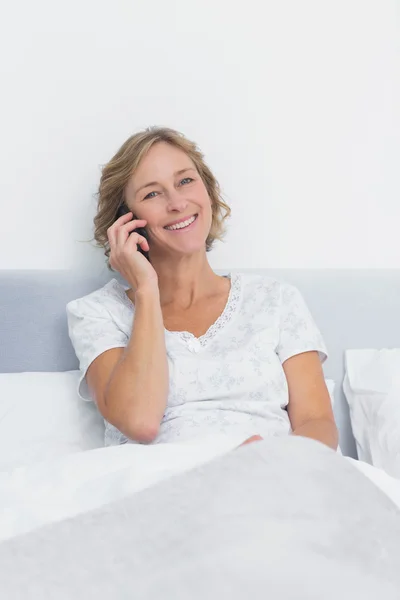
column 182, row 225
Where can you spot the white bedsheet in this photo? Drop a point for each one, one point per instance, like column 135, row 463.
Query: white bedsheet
column 54, row 490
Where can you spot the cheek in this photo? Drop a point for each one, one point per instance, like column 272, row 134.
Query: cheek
column 205, row 200
column 148, row 212
column 207, row 209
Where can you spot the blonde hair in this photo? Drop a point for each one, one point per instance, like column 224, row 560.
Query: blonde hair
column 117, row 172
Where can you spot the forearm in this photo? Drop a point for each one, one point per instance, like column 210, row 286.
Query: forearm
column 322, row 430
column 138, row 388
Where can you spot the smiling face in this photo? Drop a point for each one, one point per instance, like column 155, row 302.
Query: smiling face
column 168, row 192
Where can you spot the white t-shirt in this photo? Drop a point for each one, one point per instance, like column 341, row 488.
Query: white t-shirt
column 228, row 381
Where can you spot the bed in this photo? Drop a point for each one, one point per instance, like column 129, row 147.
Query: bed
column 161, row 541
column 353, row 308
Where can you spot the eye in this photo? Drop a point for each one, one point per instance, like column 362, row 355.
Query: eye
column 186, row 180
column 149, row 195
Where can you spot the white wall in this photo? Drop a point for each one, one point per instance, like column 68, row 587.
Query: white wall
column 296, row 105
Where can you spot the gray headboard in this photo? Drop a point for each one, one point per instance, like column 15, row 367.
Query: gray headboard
column 353, row 308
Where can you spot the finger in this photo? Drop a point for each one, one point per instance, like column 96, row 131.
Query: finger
column 123, row 221
column 111, row 234
column 143, row 243
column 124, row 218
column 123, row 231
column 111, row 231
column 134, row 224
column 139, row 240
column 253, row 438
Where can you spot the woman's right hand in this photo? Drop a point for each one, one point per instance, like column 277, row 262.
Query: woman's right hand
column 124, row 255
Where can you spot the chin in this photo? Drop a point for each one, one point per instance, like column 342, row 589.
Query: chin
column 192, row 249
column 188, row 243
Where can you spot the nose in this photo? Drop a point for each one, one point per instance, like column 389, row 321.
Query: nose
column 176, row 200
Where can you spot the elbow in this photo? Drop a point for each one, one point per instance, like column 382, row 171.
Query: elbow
column 138, row 428
column 143, row 432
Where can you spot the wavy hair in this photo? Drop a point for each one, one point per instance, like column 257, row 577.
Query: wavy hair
column 117, row 172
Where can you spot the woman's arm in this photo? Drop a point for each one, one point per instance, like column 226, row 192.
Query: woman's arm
column 323, row 430
column 131, row 384
column 310, row 409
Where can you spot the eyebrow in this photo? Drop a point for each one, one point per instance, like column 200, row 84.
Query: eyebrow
column 156, row 182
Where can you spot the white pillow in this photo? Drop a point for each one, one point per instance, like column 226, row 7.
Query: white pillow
column 372, row 389
column 42, row 416
column 330, row 384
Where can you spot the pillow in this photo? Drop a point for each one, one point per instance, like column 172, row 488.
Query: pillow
column 372, row 389
column 330, row 384
column 41, row 416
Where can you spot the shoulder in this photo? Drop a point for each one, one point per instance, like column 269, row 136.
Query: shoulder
column 258, row 285
column 110, row 298
column 265, row 295
column 97, row 322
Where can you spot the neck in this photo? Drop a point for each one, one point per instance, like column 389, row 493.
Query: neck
column 186, row 280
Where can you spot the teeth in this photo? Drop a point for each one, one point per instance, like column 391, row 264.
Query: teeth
column 183, row 224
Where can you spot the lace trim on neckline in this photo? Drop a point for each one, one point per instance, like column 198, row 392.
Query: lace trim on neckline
column 221, row 322
column 224, row 318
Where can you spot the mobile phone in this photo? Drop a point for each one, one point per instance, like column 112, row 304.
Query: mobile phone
column 123, row 210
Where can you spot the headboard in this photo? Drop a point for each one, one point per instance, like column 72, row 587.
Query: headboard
column 353, row 309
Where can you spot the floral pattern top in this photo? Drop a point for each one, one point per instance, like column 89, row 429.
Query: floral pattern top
column 229, row 380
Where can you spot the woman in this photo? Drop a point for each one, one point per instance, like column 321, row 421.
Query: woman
column 185, row 353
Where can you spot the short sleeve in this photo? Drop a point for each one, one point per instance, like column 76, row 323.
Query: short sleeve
column 92, row 331
column 298, row 331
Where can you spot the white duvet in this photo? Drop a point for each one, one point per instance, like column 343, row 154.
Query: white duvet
column 53, row 490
